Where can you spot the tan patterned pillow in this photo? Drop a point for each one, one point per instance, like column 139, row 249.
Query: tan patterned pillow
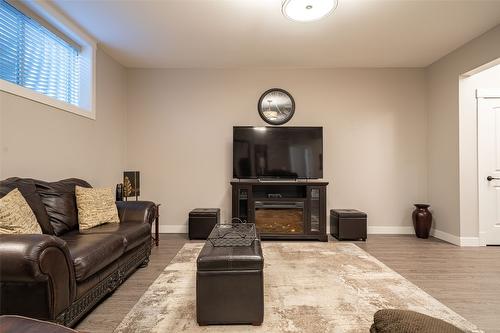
column 16, row 216
column 96, row 206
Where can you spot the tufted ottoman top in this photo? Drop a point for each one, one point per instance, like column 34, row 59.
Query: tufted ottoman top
column 226, row 258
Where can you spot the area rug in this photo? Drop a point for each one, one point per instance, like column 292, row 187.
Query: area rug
column 308, row 287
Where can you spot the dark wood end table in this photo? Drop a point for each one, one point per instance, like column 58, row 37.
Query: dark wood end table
column 156, row 237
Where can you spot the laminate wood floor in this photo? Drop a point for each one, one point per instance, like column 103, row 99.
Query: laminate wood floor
column 465, row 279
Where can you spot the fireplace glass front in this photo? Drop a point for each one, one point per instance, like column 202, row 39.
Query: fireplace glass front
column 279, row 217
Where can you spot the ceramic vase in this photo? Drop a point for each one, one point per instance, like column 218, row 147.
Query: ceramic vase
column 422, row 220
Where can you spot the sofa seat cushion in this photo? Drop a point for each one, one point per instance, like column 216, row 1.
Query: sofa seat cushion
column 85, row 286
column 92, row 252
column 133, row 233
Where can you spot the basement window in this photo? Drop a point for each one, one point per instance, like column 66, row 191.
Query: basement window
column 40, row 62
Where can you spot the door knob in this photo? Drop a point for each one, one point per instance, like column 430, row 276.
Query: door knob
column 490, row 178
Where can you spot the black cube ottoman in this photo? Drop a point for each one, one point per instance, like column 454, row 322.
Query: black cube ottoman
column 348, row 224
column 202, row 221
column 230, row 285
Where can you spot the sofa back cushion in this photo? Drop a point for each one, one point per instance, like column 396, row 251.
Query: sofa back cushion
column 28, row 190
column 60, row 203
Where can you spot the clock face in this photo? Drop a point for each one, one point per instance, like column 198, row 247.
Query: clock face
column 276, row 106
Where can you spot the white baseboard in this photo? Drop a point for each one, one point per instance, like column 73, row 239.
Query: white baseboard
column 469, row 241
column 173, row 229
column 445, row 236
column 373, row 230
column 456, row 240
column 390, row 230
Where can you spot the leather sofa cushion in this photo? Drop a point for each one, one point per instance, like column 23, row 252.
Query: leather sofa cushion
column 83, row 287
column 133, row 233
column 225, row 258
column 60, row 203
column 28, row 190
column 92, row 252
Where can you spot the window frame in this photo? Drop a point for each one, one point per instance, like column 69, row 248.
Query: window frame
column 51, row 15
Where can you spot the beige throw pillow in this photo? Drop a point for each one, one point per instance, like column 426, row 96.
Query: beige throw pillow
column 96, row 206
column 16, row 216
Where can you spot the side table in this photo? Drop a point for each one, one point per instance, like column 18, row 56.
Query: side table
column 156, row 237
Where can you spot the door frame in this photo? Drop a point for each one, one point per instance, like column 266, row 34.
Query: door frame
column 482, row 94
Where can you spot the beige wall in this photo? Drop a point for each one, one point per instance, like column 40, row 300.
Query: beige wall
column 180, row 135
column 43, row 142
column 391, row 135
column 443, row 129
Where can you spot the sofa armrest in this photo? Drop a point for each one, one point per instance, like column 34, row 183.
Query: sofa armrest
column 136, row 211
column 37, row 276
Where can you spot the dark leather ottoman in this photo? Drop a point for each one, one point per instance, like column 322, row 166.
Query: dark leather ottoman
column 230, row 285
column 348, row 224
column 202, row 221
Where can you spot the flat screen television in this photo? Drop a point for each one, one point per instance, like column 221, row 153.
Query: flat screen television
column 277, row 152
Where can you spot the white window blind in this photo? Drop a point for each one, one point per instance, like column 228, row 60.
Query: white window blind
column 34, row 57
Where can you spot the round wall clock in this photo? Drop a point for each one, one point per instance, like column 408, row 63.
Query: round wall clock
column 276, row 106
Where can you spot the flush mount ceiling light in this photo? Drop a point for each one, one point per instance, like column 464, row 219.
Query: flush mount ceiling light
column 308, row 10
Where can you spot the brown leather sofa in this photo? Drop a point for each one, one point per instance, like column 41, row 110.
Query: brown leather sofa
column 62, row 274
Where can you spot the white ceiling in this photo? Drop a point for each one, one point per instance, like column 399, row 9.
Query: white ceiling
column 254, row 33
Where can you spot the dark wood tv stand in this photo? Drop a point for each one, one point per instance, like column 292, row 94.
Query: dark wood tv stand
column 282, row 209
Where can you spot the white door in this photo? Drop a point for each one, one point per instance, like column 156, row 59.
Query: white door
column 488, row 117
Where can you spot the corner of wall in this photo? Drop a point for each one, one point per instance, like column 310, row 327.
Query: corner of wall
column 444, row 167
column 123, row 102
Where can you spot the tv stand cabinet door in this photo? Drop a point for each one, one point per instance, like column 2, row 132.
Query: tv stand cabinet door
column 316, row 210
column 242, row 203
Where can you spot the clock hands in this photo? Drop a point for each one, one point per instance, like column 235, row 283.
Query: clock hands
column 279, row 110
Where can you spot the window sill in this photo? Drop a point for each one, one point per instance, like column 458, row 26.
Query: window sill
column 14, row 89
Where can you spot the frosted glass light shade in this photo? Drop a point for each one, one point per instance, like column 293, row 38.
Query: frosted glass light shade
column 308, row 10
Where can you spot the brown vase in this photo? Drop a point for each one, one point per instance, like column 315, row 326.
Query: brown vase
column 422, row 220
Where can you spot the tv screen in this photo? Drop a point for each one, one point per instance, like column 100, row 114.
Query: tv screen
column 277, row 152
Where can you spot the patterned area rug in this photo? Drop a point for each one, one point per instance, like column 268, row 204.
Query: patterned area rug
column 309, row 287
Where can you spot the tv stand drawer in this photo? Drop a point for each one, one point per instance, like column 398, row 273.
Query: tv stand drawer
column 281, row 191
